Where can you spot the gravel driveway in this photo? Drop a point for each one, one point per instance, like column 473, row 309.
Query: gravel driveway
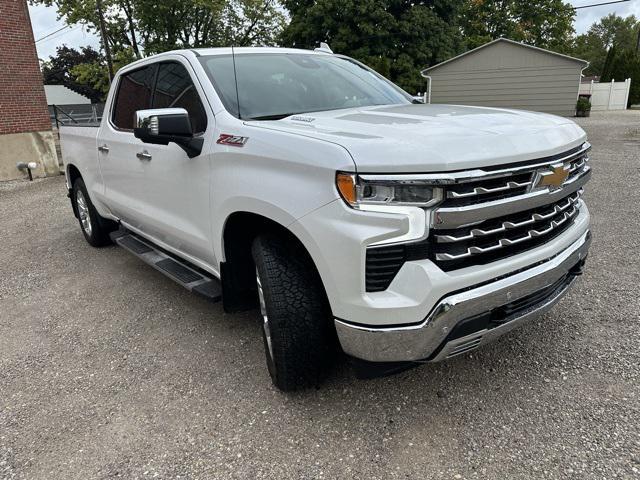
column 108, row 369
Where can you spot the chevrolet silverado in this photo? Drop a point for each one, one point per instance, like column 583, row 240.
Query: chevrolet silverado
column 355, row 217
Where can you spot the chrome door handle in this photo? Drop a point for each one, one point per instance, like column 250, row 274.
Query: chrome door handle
column 103, row 148
column 144, row 155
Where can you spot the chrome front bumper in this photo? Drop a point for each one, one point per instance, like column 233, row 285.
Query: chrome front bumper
column 428, row 339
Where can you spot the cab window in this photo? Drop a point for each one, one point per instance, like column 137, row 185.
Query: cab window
column 175, row 89
column 134, row 93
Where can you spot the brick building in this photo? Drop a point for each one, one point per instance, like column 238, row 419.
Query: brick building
column 25, row 129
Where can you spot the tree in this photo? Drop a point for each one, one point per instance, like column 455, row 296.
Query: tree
column 135, row 28
column 396, row 37
column 625, row 64
column 121, row 23
column 196, row 23
column 153, row 26
column 608, row 62
column 608, row 32
column 57, row 70
column 96, row 73
column 252, row 22
column 542, row 23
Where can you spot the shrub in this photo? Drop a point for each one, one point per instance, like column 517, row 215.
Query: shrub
column 583, row 105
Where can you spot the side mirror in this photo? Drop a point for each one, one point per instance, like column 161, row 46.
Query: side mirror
column 163, row 125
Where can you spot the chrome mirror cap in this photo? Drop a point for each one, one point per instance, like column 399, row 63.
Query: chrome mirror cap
column 148, row 119
column 161, row 126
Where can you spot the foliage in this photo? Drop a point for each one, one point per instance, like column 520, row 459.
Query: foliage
column 119, row 19
column 610, row 31
column 606, row 69
column 396, row 37
column 152, row 26
column 583, row 105
column 96, row 73
column 542, row 23
column 625, row 64
column 213, row 23
column 135, row 28
column 57, row 70
column 610, row 45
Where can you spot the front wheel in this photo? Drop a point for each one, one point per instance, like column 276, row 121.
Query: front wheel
column 94, row 228
column 296, row 326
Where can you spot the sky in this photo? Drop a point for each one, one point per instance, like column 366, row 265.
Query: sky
column 44, row 21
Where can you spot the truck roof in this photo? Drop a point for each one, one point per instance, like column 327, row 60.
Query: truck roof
column 222, row 51
column 240, row 50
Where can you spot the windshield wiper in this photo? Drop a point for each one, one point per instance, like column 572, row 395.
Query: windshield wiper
column 278, row 116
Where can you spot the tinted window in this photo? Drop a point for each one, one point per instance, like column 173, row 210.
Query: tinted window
column 134, row 93
column 276, row 85
column 174, row 88
column 220, row 70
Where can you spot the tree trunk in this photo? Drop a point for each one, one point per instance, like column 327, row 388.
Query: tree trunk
column 105, row 41
column 126, row 6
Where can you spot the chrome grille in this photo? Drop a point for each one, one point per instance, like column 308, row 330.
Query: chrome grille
column 487, row 185
column 488, row 214
column 505, row 236
column 492, row 214
column 567, row 206
column 522, row 181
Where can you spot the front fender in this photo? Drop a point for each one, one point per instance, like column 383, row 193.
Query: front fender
column 245, row 205
column 280, row 176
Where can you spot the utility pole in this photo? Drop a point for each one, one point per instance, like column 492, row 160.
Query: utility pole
column 105, row 42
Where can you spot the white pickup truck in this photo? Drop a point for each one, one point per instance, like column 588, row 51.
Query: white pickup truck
column 353, row 215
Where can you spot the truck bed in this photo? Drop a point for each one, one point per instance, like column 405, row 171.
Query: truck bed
column 78, row 144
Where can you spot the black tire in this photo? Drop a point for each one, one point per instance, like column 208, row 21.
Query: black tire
column 98, row 229
column 299, row 317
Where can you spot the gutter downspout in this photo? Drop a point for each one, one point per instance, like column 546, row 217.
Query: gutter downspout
column 427, row 95
column 580, row 84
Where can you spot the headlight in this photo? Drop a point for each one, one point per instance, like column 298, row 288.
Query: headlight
column 378, row 190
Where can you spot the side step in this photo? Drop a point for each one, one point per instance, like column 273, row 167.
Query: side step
column 178, row 270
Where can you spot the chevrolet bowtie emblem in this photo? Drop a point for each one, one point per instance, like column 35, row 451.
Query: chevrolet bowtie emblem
column 553, row 178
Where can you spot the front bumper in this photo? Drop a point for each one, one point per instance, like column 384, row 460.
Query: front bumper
column 465, row 320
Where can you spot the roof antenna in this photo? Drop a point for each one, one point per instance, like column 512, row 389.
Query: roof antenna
column 235, row 76
column 324, row 47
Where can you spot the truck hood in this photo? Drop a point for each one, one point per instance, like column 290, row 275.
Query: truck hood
column 432, row 138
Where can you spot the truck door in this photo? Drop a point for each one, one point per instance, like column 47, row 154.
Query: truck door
column 121, row 170
column 166, row 192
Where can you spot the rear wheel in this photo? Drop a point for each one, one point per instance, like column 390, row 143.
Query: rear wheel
column 296, row 326
column 94, row 228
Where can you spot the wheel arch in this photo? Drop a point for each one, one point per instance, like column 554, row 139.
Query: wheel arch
column 237, row 270
column 73, row 173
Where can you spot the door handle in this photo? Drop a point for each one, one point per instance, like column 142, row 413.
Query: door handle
column 144, row 155
column 103, row 148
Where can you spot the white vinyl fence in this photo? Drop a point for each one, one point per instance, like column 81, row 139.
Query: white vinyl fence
column 607, row 96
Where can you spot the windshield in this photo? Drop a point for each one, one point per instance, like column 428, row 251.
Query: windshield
column 273, row 86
